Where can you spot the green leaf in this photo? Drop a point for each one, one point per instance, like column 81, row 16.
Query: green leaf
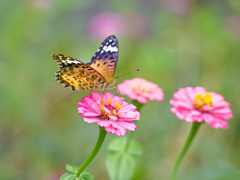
column 71, row 168
column 67, row 176
column 121, row 165
column 86, row 176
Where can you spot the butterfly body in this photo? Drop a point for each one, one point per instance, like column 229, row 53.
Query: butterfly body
column 95, row 75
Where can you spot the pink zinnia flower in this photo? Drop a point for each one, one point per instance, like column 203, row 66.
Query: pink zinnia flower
column 195, row 104
column 141, row 90
column 110, row 112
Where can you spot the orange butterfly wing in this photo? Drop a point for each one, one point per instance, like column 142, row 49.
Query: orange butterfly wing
column 77, row 74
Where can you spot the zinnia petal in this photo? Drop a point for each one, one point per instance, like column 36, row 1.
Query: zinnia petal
column 87, row 112
column 107, row 96
column 104, row 123
column 95, row 96
column 120, row 131
column 128, row 125
column 110, row 129
column 91, row 119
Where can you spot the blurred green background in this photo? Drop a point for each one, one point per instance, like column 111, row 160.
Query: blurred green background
column 174, row 43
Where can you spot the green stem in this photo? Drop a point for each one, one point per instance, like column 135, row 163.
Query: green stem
column 130, row 134
column 185, row 148
column 101, row 137
column 129, row 139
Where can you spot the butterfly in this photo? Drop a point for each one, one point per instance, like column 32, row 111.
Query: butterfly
column 94, row 75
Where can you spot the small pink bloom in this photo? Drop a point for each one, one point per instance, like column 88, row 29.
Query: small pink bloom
column 179, row 7
column 195, row 104
column 232, row 24
column 138, row 25
column 110, row 112
column 41, row 4
column 105, row 24
column 141, row 90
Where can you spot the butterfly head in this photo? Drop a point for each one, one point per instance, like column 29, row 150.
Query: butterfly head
column 109, row 82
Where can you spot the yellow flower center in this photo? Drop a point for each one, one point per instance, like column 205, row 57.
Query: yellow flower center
column 118, row 106
column 109, row 110
column 109, row 101
column 201, row 101
column 141, row 87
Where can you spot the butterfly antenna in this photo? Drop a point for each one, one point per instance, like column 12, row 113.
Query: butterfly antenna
column 127, row 73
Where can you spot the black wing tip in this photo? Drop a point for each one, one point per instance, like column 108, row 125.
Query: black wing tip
column 113, row 37
column 55, row 55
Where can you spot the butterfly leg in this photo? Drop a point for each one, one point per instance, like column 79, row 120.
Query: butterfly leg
column 118, row 90
column 103, row 93
column 115, row 87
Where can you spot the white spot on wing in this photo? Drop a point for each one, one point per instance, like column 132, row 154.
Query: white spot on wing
column 110, row 48
column 72, row 62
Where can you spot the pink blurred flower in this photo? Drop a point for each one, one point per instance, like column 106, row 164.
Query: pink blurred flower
column 195, row 104
column 180, row 7
column 141, row 90
column 106, row 24
column 110, row 112
column 41, row 4
column 232, row 24
column 137, row 25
